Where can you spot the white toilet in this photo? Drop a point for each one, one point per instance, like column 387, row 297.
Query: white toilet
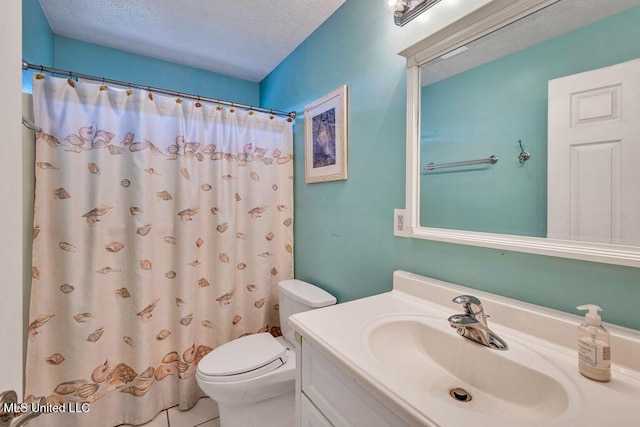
column 253, row 377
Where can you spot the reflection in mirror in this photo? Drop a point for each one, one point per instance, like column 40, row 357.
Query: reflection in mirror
column 482, row 99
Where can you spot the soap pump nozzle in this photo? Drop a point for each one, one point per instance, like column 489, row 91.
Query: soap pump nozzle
column 592, row 317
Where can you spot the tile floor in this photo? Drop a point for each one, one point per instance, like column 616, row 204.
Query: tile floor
column 204, row 414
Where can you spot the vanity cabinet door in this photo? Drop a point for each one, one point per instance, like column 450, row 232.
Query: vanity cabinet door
column 338, row 397
column 310, row 415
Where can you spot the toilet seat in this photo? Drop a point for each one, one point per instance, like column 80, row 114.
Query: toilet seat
column 243, row 358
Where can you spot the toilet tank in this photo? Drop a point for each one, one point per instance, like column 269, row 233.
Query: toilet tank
column 297, row 296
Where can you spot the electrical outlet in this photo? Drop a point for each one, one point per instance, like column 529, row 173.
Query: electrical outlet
column 399, row 222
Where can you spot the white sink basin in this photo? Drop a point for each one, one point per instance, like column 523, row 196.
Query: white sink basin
column 428, row 357
column 400, row 348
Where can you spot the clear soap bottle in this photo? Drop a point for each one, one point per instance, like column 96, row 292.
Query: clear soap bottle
column 594, row 346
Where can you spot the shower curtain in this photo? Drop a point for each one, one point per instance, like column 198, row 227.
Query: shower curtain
column 161, row 229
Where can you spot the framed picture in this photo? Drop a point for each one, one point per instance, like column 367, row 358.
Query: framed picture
column 325, row 137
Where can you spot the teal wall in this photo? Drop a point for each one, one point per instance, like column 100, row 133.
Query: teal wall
column 37, row 40
column 42, row 47
column 344, row 230
column 486, row 110
column 103, row 61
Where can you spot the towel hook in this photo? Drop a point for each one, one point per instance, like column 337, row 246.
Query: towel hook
column 524, row 155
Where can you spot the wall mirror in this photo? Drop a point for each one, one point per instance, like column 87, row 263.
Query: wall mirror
column 523, row 130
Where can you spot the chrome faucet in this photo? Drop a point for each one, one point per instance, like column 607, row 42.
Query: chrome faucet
column 473, row 323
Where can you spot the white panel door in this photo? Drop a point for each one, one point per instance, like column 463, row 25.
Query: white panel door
column 11, row 217
column 593, row 187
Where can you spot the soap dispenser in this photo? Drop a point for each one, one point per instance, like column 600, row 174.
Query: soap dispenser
column 594, row 346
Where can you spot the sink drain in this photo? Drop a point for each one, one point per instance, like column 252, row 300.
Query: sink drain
column 460, row 394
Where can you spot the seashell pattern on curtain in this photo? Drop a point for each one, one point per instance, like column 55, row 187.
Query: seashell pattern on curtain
column 161, row 229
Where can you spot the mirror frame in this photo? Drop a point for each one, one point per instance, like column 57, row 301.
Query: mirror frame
column 486, row 19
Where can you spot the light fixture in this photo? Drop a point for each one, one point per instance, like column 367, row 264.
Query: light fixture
column 392, row 4
column 406, row 10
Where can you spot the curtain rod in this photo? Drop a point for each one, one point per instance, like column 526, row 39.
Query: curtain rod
column 41, row 68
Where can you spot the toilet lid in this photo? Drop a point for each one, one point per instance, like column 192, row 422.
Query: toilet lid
column 243, row 358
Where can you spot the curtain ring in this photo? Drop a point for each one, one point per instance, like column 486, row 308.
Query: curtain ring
column 40, row 76
column 198, row 104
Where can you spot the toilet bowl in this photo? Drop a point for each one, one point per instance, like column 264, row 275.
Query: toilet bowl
column 253, row 377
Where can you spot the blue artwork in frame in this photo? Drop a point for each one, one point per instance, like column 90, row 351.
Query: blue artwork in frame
column 324, row 138
column 325, row 123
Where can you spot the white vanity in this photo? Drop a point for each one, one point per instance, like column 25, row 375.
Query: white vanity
column 394, row 360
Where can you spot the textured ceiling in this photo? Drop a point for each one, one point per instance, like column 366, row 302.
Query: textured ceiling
column 243, row 39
